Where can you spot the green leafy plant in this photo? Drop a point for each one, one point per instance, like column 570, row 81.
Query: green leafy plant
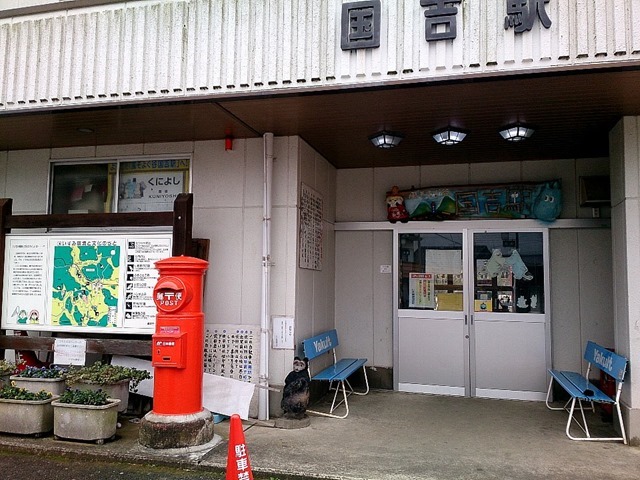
column 105, row 374
column 12, row 392
column 8, row 368
column 84, row 397
column 42, row 372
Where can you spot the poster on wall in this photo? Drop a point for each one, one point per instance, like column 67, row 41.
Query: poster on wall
column 232, row 351
column 443, row 262
column 421, row 290
column 152, row 185
column 483, row 277
column 103, row 283
column 310, row 242
column 541, row 200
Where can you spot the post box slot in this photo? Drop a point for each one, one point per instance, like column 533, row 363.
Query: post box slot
column 169, row 350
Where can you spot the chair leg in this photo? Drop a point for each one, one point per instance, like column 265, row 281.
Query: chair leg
column 334, row 405
column 621, row 422
column 585, row 427
column 584, row 419
column 342, row 385
column 547, row 401
column 366, row 381
column 570, row 419
column 335, row 395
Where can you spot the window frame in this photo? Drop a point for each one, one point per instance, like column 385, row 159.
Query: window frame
column 114, row 192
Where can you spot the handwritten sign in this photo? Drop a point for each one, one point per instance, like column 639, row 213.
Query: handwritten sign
column 69, row 351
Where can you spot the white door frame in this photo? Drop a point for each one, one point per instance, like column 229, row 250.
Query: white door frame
column 467, row 229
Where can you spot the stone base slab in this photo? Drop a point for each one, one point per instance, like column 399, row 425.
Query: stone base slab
column 291, row 423
column 176, row 431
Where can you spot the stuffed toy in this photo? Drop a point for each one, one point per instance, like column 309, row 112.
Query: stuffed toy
column 395, row 206
column 295, row 396
column 547, row 203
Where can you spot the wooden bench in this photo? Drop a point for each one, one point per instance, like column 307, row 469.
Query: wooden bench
column 338, row 373
column 580, row 389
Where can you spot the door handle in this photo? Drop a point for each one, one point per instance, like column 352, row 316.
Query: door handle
column 471, row 319
column 466, row 335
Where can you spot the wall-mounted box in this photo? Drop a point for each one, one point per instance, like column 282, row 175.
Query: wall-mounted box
column 169, row 350
column 595, row 191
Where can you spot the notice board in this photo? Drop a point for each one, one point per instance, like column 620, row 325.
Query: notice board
column 81, row 282
column 310, row 242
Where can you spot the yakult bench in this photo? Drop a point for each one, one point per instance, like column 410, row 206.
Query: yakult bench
column 336, row 374
column 580, row 389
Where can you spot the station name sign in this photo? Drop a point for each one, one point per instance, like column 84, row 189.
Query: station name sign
column 360, row 23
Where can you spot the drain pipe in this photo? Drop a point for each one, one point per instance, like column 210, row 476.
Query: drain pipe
column 263, row 394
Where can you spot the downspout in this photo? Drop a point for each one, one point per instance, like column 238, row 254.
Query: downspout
column 263, row 392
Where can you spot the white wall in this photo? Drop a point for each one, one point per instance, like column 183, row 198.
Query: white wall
column 580, row 267
column 624, row 141
column 364, row 307
column 227, row 210
column 227, row 188
column 349, row 292
column 315, row 291
column 27, row 186
column 169, row 50
column 581, row 293
column 361, row 192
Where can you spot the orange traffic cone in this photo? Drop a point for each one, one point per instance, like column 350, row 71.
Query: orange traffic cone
column 238, row 465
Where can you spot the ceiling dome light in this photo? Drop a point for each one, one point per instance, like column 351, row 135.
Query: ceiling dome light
column 516, row 132
column 385, row 139
column 449, row 136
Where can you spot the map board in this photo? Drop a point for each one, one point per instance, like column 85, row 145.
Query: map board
column 81, row 282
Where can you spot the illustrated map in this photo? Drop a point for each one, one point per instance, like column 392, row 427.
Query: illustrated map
column 85, row 285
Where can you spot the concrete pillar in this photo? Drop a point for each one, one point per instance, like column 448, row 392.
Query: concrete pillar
column 624, row 153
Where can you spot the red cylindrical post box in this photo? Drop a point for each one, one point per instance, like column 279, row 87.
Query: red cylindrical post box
column 178, row 344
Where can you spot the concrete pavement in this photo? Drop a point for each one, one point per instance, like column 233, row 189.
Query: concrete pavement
column 396, row 436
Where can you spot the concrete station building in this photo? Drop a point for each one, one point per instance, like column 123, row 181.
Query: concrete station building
column 266, row 107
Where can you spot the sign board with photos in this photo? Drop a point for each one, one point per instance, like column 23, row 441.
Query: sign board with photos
column 82, row 282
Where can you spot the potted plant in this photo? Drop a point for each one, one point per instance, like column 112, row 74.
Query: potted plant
column 88, row 415
column 6, row 370
column 51, row 379
column 25, row 412
column 116, row 380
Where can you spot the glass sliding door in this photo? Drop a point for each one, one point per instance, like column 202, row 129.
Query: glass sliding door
column 472, row 314
column 431, row 313
column 509, row 327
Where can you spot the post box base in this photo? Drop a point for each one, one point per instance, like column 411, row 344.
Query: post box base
column 176, row 431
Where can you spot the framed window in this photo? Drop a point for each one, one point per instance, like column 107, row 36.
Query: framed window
column 430, row 269
column 509, row 272
column 120, row 185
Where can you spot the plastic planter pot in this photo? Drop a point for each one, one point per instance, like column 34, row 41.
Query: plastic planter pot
column 26, row 417
column 54, row 385
column 92, row 423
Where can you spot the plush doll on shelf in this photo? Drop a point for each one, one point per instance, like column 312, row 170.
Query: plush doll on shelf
column 396, row 210
column 295, row 396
